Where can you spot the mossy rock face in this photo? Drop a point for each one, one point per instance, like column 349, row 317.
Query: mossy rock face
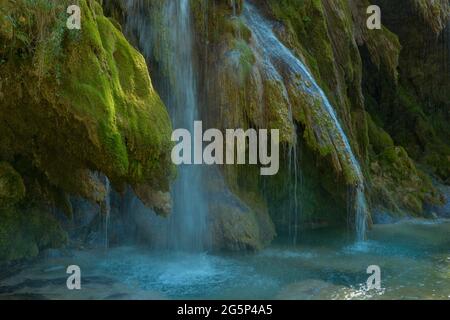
column 409, row 189
column 332, row 39
column 12, row 188
column 75, row 105
column 243, row 93
column 80, row 99
column 236, row 226
column 398, row 185
column 415, row 111
column 25, row 232
column 379, row 139
column 238, row 216
column 75, row 102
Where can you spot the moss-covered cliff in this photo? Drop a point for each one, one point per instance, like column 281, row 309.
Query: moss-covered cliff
column 73, row 103
column 78, row 105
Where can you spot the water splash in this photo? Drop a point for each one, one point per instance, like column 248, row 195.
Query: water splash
column 274, row 56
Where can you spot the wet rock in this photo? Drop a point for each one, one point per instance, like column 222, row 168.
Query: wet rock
column 234, row 223
column 76, row 102
column 160, row 201
column 12, row 188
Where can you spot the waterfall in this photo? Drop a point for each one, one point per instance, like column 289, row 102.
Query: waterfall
column 166, row 37
column 295, row 175
column 107, row 209
column 294, row 205
column 163, row 32
column 275, row 56
column 233, row 3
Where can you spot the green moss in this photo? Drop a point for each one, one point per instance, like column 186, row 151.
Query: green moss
column 277, row 111
column 246, row 57
column 103, row 104
column 125, row 98
column 409, row 188
column 74, row 102
column 378, row 138
column 24, row 233
column 397, row 184
column 307, row 33
column 12, row 188
column 384, row 48
column 428, row 143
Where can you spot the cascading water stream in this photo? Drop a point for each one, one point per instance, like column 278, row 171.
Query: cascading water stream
column 172, row 26
column 294, row 205
column 233, row 3
column 107, row 209
column 295, row 175
column 164, row 34
column 273, row 53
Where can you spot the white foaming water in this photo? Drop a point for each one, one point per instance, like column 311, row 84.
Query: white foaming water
column 166, row 37
column 365, row 247
column 273, row 55
column 287, row 254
